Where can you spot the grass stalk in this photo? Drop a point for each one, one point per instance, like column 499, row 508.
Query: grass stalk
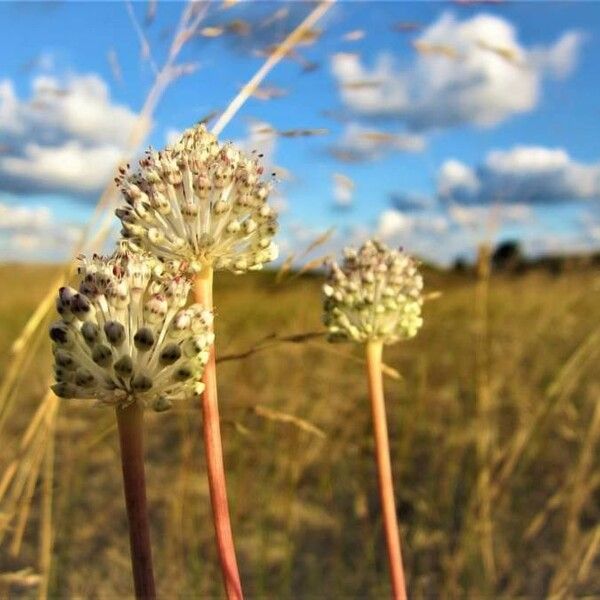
column 384, row 469
column 484, row 407
column 46, row 524
column 214, row 456
column 131, row 439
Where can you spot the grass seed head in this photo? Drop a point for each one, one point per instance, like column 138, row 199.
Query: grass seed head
column 125, row 336
column 199, row 204
column 375, row 295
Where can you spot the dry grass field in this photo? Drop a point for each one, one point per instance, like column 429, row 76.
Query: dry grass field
column 494, row 425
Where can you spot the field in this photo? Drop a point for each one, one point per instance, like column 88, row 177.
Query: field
column 494, row 423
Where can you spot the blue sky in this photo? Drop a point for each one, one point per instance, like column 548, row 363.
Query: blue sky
column 444, row 121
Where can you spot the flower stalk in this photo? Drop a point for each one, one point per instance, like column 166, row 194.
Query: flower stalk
column 131, row 439
column 213, row 449
column 374, row 297
column 384, row 469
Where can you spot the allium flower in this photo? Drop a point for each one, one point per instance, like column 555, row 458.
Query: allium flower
column 374, row 296
column 200, row 204
column 126, row 337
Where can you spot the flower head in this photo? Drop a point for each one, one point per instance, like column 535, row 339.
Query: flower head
column 375, row 295
column 125, row 335
column 199, row 204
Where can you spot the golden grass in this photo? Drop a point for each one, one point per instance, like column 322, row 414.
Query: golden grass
column 304, row 505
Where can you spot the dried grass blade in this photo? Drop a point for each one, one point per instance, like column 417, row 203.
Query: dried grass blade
column 282, row 417
column 290, row 41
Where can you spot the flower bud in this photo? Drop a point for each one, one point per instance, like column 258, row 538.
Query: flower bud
column 59, row 333
column 102, row 355
column 143, row 339
column 141, row 382
column 170, row 354
column 90, row 332
column 83, row 377
column 115, row 332
column 81, row 307
column 161, row 404
column 124, row 366
column 156, row 309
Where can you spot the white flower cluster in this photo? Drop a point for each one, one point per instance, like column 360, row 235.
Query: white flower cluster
column 374, row 296
column 126, row 337
column 199, row 204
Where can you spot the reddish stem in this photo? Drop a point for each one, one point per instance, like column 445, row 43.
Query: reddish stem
column 214, row 457
column 131, row 439
column 384, row 470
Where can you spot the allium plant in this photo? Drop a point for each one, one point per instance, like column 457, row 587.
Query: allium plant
column 374, row 298
column 201, row 206
column 125, row 340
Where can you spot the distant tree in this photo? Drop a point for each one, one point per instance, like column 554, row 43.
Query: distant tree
column 508, row 256
column 555, row 265
column 460, row 264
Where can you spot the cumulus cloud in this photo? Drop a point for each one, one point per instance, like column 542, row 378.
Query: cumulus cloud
column 26, row 230
column 521, row 175
column 14, row 218
column 474, row 71
column 360, row 144
column 343, row 190
column 411, row 202
column 261, row 138
column 393, row 223
column 66, row 137
column 479, row 217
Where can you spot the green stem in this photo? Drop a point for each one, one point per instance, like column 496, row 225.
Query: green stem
column 384, row 469
column 214, row 456
column 131, row 439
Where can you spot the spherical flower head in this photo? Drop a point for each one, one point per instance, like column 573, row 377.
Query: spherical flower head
column 124, row 335
column 374, row 296
column 199, row 204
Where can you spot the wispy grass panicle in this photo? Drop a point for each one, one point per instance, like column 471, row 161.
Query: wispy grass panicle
column 374, row 298
column 125, row 339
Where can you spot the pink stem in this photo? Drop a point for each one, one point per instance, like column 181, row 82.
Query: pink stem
column 384, row 470
column 214, row 458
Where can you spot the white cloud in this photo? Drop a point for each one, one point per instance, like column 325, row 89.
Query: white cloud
column 28, row 231
column 20, row 217
column 480, row 217
column 454, row 175
column 359, row 143
column 411, row 202
column 520, row 175
column 560, row 59
column 69, row 167
column 261, row 138
column 392, row 223
column 25, row 241
column 172, row 135
column 66, row 137
column 472, row 71
column 343, row 190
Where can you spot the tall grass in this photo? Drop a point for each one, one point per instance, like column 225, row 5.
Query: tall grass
column 303, row 505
